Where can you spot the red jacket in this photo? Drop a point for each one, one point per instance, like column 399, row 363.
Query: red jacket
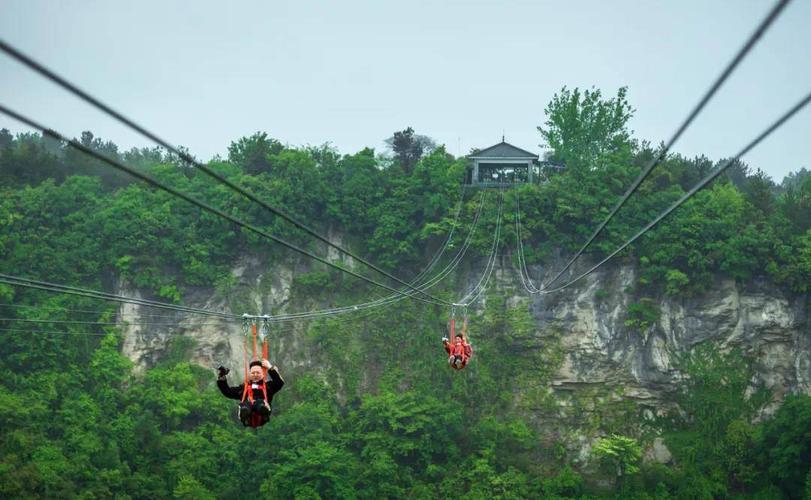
column 460, row 348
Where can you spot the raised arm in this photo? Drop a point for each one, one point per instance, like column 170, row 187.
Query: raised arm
column 446, row 344
column 234, row 392
column 274, row 380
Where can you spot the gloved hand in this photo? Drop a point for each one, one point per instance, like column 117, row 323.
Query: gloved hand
column 222, row 371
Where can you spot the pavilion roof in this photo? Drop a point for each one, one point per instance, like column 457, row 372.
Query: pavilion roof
column 503, row 150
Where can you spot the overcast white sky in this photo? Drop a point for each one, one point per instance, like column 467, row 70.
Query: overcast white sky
column 204, row 73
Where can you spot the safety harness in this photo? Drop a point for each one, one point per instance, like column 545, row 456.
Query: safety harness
column 463, row 351
column 247, row 392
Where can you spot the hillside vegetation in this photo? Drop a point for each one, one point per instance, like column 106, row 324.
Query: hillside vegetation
column 383, row 417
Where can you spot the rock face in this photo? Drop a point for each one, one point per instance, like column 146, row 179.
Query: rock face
column 600, row 346
column 216, row 341
column 604, row 357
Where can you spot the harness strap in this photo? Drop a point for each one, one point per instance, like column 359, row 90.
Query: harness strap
column 465, row 342
column 264, row 356
column 246, row 391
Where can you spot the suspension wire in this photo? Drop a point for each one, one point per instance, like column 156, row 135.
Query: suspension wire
column 14, row 280
column 490, row 257
column 491, row 262
column 369, row 314
column 432, row 263
column 103, row 296
column 742, row 53
column 392, row 298
column 53, row 287
column 701, row 185
column 56, row 332
column 64, row 332
column 522, row 261
column 430, row 266
column 366, row 313
column 107, row 323
column 435, row 259
column 372, row 312
column 103, row 334
column 107, row 333
column 73, row 89
column 523, row 258
column 84, row 292
column 84, row 311
column 149, row 180
column 428, row 284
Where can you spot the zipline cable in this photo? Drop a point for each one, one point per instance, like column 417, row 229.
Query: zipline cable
column 73, row 89
column 107, row 323
column 753, row 39
column 431, row 264
column 522, row 261
column 56, row 332
column 370, row 314
column 438, row 255
column 489, row 273
column 149, row 180
column 84, row 292
column 119, row 326
column 391, row 298
column 476, row 291
column 85, row 311
column 703, row 183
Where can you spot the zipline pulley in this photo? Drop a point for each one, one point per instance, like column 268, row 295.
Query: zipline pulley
column 265, row 327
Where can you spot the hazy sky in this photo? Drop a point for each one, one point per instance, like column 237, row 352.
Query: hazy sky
column 204, row 73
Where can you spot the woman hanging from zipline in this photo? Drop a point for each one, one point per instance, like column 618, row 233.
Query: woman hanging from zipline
column 460, row 351
column 262, row 381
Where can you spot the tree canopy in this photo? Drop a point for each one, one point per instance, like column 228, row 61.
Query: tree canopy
column 373, row 414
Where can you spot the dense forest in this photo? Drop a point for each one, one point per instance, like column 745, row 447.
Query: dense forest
column 382, row 417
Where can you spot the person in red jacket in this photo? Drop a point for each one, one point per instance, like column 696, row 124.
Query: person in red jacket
column 459, row 352
column 256, row 394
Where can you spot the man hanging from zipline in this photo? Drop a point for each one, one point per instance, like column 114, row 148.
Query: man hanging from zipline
column 262, row 381
column 256, row 394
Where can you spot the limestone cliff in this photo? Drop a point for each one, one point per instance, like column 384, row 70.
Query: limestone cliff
column 604, row 359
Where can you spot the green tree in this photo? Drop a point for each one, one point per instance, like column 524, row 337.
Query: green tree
column 786, row 441
column 708, row 434
column 583, row 129
column 621, row 454
column 189, row 488
column 253, row 153
column 409, row 147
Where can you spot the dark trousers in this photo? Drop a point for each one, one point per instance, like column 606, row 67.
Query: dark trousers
column 247, row 410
